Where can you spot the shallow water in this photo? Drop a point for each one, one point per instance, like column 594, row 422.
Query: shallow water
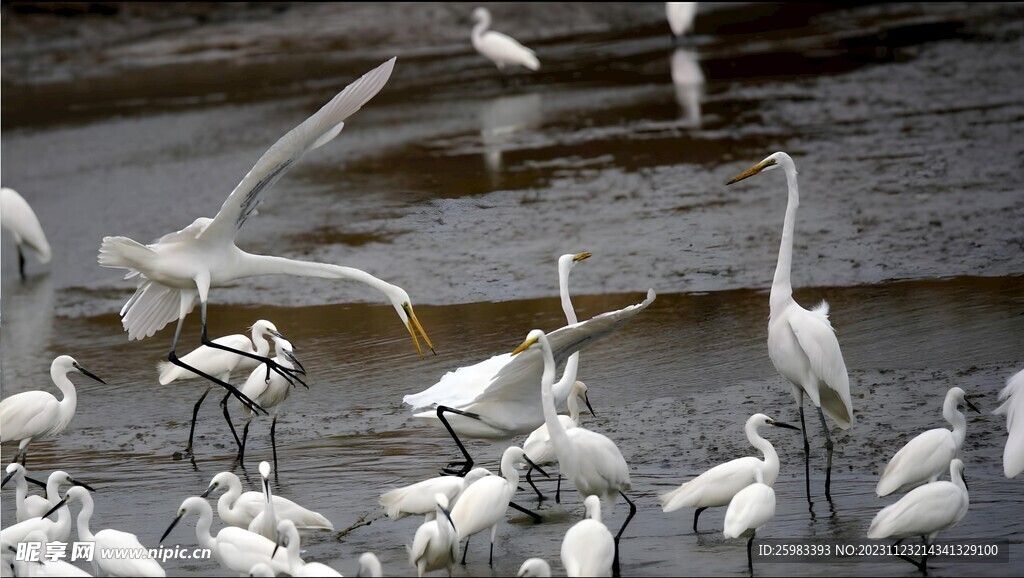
column 903, row 121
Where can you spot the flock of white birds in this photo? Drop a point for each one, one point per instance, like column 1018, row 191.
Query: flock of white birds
column 501, row 397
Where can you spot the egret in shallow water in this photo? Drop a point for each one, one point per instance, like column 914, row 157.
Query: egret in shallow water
column 680, row 17
column 28, row 507
column 1012, row 398
column 588, row 548
column 749, row 510
column 719, row 485
column 419, row 499
column 436, row 543
column 926, row 457
column 18, row 217
column 181, row 266
column 501, row 49
column 802, row 343
column 236, row 508
column 288, row 537
column 34, row 414
column 538, row 444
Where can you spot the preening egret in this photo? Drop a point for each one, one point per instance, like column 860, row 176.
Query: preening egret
column 369, row 565
column 718, row 486
column 501, row 49
column 1012, row 398
column 538, row 444
column 45, row 566
column 590, row 460
column 28, row 507
column 751, row 508
column 419, row 499
column 34, row 414
column 924, row 511
column 801, row 343
column 538, row 567
column 436, row 543
column 680, row 17
column 926, row 457
column 183, row 265
column 109, row 540
column 236, row 508
column 288, row 537
column 588, row 548
column 18, row 217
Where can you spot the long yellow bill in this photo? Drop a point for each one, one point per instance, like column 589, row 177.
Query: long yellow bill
column 581, row 256
column 524, row 346
column 752, row 171
column 413, row 326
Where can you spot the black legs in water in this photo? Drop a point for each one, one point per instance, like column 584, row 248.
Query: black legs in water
column 807, row 455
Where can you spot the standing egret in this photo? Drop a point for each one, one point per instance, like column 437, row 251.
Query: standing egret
column 1012, row 398
column 236, row 508
column 183, row 265
column 537, row 567
column 436, row 543
column 18, row 217
column 266, row 522
column 501, row 49
column 369, row 565
column 109, row 543
column 680, row 17
column 924, row 511
column 538, row 444
column 44, row 565
column 588, row 548
column 28, row 507
column 288, row 537
column 926, row 457
column 751, row 508
column 34, row 414
column 802, row 344
column 419, row 499
column 719, row 485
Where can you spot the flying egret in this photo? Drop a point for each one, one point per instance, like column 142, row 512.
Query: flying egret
column 926, row 457
column 588, row 548
column 109, row 541
column 719, row 485
column 436, row 543
column 369, row 565
column 680, row 17
column 749, row 510
column 483, row 504
column 266, row 522
column 1012, row 398
column 538, row 444
column 44, row 566
column 590, row 460
column 288, row 537
column 183, row 265
column 501, row 49
column 236, row 508
column 537, row 567
column 18, row 217
column 34, row 414
column 236, row 549
column 924, row 511
column 802, row 344
column 28, row 507
column 458, row 391
column 418, row 499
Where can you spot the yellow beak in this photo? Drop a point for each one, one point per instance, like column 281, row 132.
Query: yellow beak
column 525, row 345
column 414, row 326
column 751, row 171
column 581, row 256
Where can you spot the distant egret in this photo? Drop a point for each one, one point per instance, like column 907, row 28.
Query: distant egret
column 29, row 507
column 719, row 485
column 802, row 344
column 538, row 444
column 419, row 499
column 45, row 566
column 924, row 511
column 369, row 565
column 236, row 508
column 1012, row 398
column 749, row 510
column 926, row 457
column 680, row 17
column 34, row 414
column 183, row 265
column 588, row 548
column 537, row 567
column 436, row 543
column 288, row 537
column 18, row 217
column 501, row 49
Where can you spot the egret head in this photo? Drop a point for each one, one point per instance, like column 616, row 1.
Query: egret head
column 773, row 161
column 264, row 327
column 531, row 338
column 579, row 389
column 65, row 364
column 400, row 300
column 265, row 469
column 961, row 397
column 369, row 565
column 568, row 261
column 222, row 480
column 192, row 504
column 481, row 13
column 534, row 567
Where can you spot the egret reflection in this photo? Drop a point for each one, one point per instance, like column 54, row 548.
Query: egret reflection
column 501, row 118
column 688, row 79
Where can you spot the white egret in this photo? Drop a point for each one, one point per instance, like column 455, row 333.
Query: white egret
column 183, row 265
column 537, row 567
column 538, row 444
column 802, row 344
column 680, row 17
column 262, row 570
column 266, row 522
column 749, row 510
column 109, row 541
column 18, row 217
column 236, row 508
column 1012, row 398
column 28, row 507
column 34, row 414
column 588, row 548
column 717, row 486
column 56, row 531
column 926, row 457
column 501, row 49
column 924, row 511
column 436, row 543
column 288, row 537
column 236, row 549
column 44, row 566
column 419, row 499
column 590, row 460
column 369, row 565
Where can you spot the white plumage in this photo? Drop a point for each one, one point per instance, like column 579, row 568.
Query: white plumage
column 18, row 217
column 680, row 16
column 534, row 567
column 45, row 566
column 288, row 537
column 419, row 499
column 1012, row 398
column 749, row 510
column 436, row 543
column 499, row 48
column 236, row 508
column 588, row 548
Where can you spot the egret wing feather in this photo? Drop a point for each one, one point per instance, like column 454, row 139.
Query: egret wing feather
column 750, row 509
column 1012, row 398
column 925, row 458
column 15, row 417
column 818, row 340
column 922, row 511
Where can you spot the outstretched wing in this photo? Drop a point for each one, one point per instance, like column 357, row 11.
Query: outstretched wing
column 314, row 132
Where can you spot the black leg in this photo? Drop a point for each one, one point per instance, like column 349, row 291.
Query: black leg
column 231, row 426
column 21, row 263
column 273, row 443
column 252, row 405
column 289, row 374
column 828, row 463
column 465, row 550
column 558, row 489
column 540, row 496
column 536, row 517
column 750, row 560
column 195, row 414
column 632, row 512
column 696, row 515
column 245, row 436
column 468, row 464
column 490, row 558
column 807, row 452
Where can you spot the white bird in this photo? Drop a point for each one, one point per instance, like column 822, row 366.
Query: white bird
column 537, row 567
column 28, row 507
column 924, row 511
column 1012, row 398
column 680, row 17
column 266, row 522
column 34, row 414
column 591, row 461
column 538, row 444
column 288, row 537
column 419, row 499
column 436, row 543
column 183, row 265
column 501, row 49
column 369, row 565
column 236, row 549
column 926, row 457
column 18, row 217
column 802, row 344
column 751, row 508
column 239, row 509
column 45, row 566
column 109, row 540
column 588, row 548
column 56, row 531
column 718, row 486
column 262, row 570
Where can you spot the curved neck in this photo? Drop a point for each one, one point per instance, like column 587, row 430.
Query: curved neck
column 555, row 430
column 480, row 27
column 782, row 288
column 295, row 563
column 52, row 490
column 771, row 458
column 67, row 406
column 203, row 525
column 259, row 339
column 228, row 498
column 957, row 476
column 273, row 265
column 563, row 388
column 84, row 534
column 952, row 413
column 508, row 469
column 21, row 492
column 574, row 407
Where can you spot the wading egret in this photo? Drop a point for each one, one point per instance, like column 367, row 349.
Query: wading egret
column 436, row 543
column 926, row 457
column 588, row 548
column 537, row 567
column 34, row 414
column 183, row 265
column 717, row 486
column 18, row 217
column 419, row 499
column 1012, row 398
column 236, row 508
column 29, row 507
column 45, row 566
column 369, row 565
column 802, row 344
column 751, row 508
column 266, row 522
column 680, row 17
column 56, row 531
column 109, row 540
column 501, row 49
column 924, row 511
column 288, row 537
column 538, row 444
